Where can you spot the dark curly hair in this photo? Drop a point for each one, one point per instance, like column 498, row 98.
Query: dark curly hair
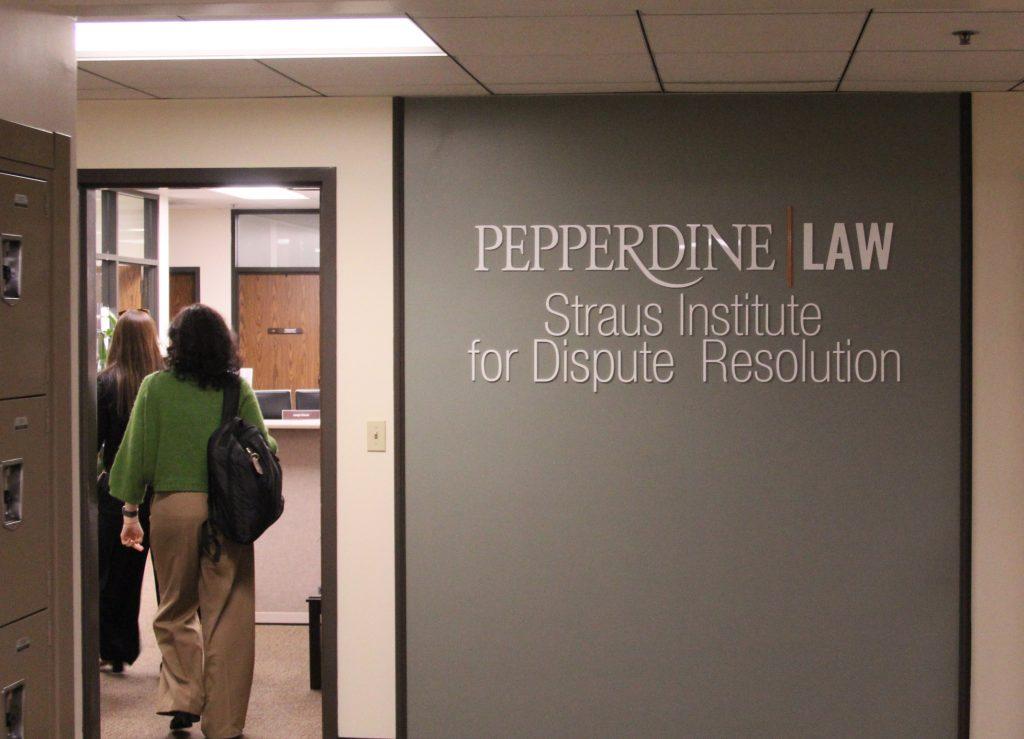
column 203, row 349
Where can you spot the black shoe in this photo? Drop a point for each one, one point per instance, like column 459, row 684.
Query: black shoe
column 117, row 666
column 183, row 720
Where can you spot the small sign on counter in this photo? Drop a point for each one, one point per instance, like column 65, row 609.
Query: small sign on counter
column 293, row 415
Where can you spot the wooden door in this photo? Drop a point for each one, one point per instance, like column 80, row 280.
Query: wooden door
column 268, row 305
column 129, row 287
column 184, row 289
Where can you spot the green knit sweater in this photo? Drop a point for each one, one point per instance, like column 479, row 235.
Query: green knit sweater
column 165, row 443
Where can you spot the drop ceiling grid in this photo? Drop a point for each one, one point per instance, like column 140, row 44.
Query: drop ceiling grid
column 379, row 75
column 892, row 30
column 694, row 52
column 586, row 54
column 193, row 79
column 914, row 50
column 537, row 36
column 94, row 87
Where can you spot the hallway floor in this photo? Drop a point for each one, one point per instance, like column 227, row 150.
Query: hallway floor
column 282, row 704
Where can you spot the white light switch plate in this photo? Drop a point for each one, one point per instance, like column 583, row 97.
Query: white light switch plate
column 376, row 436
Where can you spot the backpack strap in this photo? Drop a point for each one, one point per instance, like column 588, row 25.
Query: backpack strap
column 209, row 540
column 232, row 392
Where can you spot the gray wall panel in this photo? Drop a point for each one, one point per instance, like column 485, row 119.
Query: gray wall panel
column 682, row 559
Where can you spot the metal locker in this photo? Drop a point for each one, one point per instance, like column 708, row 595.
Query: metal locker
column 25, row 246
column 26, row 538
column 26, row 681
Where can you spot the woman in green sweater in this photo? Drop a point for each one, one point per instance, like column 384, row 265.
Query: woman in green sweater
column 205, row 672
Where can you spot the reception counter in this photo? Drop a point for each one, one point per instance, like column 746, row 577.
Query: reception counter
column 288, row 554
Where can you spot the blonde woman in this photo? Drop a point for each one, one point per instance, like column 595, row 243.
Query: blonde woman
column 134, row 353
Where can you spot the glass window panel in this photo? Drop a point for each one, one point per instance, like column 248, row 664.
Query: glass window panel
column 106, row 308
column 277, row 240
column 131, row 225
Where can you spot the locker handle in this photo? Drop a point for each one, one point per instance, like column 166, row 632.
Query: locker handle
column 10, row 263
column 14, row 710
column 12, row 476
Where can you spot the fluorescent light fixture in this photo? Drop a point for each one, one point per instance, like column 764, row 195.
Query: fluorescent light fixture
column 252, row 39
column 261, row 193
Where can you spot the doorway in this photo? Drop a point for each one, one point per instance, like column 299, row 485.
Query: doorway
column 318, row 301
column 275, row 289
column 184, row 288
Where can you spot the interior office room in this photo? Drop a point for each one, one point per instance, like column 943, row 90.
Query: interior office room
column 635, row 369
column 252, row 254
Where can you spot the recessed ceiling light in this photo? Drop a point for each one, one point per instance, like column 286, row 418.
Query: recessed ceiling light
column 261, row 193
column 252, row 39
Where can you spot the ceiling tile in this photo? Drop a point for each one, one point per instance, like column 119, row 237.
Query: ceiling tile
column 89, row 81
column 497, row 8
column 200, row 78
column 528, row 36
column 753, row 32
column 926, row 86
column 823, row 86
column 116, row 93
column 575, row 88
column 91, row 87
column 342, row 73
column 813, row 66
column 244, row 91
column 373, row 89
column 561, row 68
column 997, row 31
column 493, row 8
column 936, row 65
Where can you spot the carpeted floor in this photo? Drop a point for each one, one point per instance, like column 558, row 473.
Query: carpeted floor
column 282, row 705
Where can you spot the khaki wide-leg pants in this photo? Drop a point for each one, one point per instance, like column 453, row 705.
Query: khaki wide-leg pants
column 207, row 671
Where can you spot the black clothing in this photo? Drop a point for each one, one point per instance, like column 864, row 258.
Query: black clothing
column 111, row 423
column 121, row 568
column 121, row 573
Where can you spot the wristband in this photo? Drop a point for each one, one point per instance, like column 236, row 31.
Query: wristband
column 129, row 514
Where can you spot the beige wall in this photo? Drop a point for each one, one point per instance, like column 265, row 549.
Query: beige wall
column 353, row 135
column 202, row 238
column 997, row 690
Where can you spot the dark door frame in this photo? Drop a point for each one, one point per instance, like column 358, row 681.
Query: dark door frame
column 325, row 178
column 196, row 273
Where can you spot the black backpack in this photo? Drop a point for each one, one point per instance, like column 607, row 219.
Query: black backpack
column 244, row 479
